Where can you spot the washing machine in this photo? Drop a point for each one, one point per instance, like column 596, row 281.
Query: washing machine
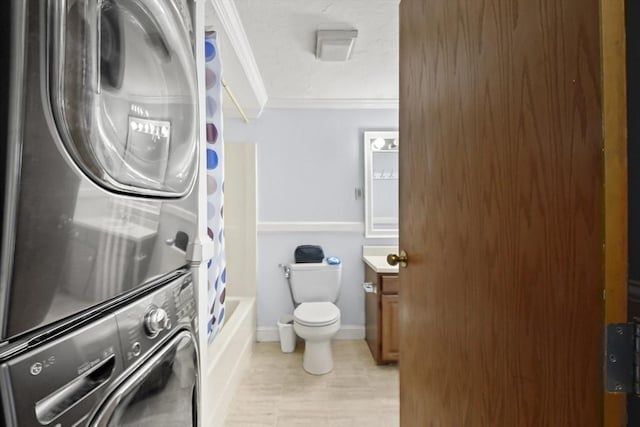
column 135, row 365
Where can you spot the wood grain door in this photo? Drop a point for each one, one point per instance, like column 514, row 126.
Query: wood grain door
column 501, row 208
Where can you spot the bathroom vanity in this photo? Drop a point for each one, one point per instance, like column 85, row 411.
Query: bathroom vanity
column 381, row 285
column 381, row 289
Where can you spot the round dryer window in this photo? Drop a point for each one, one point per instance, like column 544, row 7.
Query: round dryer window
column 123, row 92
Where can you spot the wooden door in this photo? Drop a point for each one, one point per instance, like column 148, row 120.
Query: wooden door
column 501, row 212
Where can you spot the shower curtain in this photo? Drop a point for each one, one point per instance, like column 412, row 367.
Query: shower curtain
column 216, row 268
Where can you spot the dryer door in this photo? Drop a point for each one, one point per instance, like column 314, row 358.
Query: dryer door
column 160, row 393
column 123, row 92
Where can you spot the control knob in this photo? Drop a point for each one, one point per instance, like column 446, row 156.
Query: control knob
column 155, row 321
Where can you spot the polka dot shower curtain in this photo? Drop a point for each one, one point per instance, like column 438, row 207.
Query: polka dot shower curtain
column 216, row 274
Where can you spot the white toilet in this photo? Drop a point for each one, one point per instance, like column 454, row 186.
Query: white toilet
column 315, row 287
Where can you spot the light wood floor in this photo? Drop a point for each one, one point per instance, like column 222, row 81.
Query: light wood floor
column 277, row 392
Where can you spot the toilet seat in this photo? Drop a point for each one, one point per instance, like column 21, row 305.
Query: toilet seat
column 316, row 314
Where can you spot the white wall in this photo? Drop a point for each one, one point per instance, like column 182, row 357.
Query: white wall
column 309, row 164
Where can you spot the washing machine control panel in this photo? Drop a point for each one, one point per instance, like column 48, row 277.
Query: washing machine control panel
column 144, row 325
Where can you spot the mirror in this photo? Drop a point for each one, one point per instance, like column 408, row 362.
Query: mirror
column 381, row 183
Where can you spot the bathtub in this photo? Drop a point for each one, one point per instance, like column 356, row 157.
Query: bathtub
column 227, row 358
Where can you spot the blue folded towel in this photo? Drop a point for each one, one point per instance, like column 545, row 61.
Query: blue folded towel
column 333, row 260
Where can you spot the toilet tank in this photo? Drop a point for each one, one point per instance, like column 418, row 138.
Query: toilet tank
column 315, row 282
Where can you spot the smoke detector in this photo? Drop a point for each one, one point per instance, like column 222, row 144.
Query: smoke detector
column 335, row 45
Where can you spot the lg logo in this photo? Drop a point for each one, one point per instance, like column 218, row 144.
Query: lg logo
column 38, row 367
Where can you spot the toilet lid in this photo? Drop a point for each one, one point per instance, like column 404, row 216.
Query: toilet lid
column 316, row 313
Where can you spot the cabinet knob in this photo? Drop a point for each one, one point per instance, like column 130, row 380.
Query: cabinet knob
column 402, row 259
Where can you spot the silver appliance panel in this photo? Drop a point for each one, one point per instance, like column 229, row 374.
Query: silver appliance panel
column 80, row 231
column 163, row 392
column 64, row 380
column 176, row 300
column 111, row 369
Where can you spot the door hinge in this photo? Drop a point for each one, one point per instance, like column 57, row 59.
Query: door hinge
column 622, row 358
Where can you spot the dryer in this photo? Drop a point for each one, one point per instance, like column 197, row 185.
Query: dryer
column 99, row 153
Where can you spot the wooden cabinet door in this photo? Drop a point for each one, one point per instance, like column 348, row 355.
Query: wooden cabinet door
column 390, row 328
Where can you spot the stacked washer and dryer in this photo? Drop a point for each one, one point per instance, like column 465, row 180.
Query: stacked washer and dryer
column 99, row 147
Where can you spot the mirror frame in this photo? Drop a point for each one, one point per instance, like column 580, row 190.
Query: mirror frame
column 370, row 232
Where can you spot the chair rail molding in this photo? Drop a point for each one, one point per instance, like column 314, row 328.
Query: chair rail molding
column 310, row 227
column 333, row 103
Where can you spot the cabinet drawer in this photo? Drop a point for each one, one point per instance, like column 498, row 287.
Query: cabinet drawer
column 390, row 284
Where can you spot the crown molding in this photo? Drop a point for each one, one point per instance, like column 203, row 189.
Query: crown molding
column 333, row 103
column 230, row 111
column 232, row 24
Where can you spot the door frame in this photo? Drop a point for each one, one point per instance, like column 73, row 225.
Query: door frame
column 614, row 119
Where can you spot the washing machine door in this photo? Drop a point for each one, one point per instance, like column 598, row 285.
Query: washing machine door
column 123, row 92
column 160, row 393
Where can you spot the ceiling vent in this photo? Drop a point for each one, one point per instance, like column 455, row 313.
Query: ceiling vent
column 335, row 45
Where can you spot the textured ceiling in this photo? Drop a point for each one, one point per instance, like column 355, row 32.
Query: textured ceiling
column 282, row 37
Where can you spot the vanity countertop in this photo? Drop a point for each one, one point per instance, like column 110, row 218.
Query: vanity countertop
column 376, row 258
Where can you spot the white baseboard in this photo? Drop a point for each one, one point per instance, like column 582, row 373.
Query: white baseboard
column 351, row 332
column 346, row 332
column 267, row 334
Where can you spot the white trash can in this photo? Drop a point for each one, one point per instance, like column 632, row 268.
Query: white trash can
column 287, row 334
